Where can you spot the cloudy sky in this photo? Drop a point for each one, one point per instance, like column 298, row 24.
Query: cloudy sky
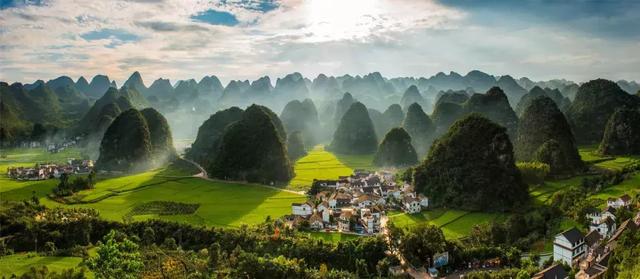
column 246, row 39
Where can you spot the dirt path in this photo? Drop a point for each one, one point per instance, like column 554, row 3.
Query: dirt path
column 204, row 175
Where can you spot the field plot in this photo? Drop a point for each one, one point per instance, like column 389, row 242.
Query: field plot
column 220, row 204
column 25, row 157
column 589, row 155
column 454, row 223
column 18, row 264
column 318, row 164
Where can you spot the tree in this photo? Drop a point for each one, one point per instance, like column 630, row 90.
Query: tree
column 420, row 127
column 252, row 150
column 594, row 104
column 396, row 150
column 495, row 106
column 116, row 258
column 295, row 146
column 541, row 122
column 622, row 134
column 205, row 148
column 472, row 167
column 355, row 134
column 126, row 144
column 420, row 243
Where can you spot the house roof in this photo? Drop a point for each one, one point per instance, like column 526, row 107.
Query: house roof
column 572, row 234
column 610, row 209
column 363, row 198
column 609, row 222
column 592, row 238
column 592, row 210
column 408, row 199
column 626, row 225
column 315, row 218
column 625, row 198
column 555, row 271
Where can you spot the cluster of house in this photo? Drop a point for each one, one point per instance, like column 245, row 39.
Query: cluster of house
column 51, row 146
column 590, row 253
column 59, row 147
column 50, row 170
column 355, row 203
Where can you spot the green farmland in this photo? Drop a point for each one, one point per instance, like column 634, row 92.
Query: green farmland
column 454, row 223
column 19, row 264
column 321, row 164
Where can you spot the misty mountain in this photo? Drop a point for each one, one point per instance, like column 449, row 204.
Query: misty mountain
column 98, row 86
column 135, row 82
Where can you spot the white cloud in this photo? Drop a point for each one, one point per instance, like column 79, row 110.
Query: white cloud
column 395, row 37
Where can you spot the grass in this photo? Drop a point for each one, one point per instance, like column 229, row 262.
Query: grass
column 220, row 204
column 589, row 155
column 19, row 264
column 21, row 190
column 321, row 164
column 333, row 236
column 454, row 223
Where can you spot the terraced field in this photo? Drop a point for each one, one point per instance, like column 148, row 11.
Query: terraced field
column 454, row 223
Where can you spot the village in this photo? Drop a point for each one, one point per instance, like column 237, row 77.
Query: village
column 590, row 253
column 355, row 204
column 43, row 171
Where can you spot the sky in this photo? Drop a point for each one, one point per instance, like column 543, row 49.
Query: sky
column 247, row 39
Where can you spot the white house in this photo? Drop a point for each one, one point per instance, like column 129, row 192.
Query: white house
column 606, row 226
column 411, row 205
column 363, row 201
column 323, row 206
column 344, row 221
column 326, row 216
column 622, row 201
column 316, row 222
column 424, row 201
column 301, row 209
column 609, row 212
column 569, row 246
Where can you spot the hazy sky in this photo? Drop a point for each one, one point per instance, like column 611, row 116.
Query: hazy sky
column 181, row 39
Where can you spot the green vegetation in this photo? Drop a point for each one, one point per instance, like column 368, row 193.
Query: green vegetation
column 317, row 164
column 252, row 150
column 560, row 101
column 454, row 223
column 472, row 167
column 420, row 127
column 622, row 133
column 205, row 147
column 545, row 136
column 295, row 146
column 396, row 150
column 19, row 264
column 594, row 104
column 11, row 189
column 162, row 149
column 493, row 105
column 333, row 237
column 301, row 117
column 392, row 117
column 355, row 133
column 220, row 204
column 126, row 145
column 533, row 173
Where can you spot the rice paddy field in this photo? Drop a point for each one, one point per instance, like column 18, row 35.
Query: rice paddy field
column 19, row 264
column 321, row 164
column 454, row 223
column 219, row 204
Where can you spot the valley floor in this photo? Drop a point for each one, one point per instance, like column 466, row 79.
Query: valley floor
column 134, row 197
